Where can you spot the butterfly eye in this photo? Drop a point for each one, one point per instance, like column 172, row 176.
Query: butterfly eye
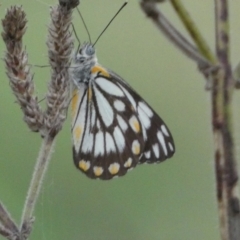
column 90, row 50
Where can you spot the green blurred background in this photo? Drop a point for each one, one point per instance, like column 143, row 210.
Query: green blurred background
column 171, row 201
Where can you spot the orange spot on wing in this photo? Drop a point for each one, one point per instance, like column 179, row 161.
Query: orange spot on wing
column 128, row 163
column 84, row 165
column 114, row 168
column 136, row 126
column 102, row 71
column 74, row 102
column 78, row 132
column 136, row 150
column 98, row 171
column 89, row 93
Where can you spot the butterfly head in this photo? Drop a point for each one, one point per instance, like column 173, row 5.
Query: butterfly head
column 84, row 59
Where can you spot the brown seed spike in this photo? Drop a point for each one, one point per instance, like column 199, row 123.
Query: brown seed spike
column 60, row 45
column 16, row 59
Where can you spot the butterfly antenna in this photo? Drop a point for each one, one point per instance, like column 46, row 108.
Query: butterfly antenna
column 76, row 36
column 89, row 37
column 110, row 22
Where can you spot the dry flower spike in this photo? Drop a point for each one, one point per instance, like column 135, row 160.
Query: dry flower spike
column 18, row 71
column 60, row 46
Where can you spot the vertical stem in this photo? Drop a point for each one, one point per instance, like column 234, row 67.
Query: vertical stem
column 225, row 162
column 35, row 185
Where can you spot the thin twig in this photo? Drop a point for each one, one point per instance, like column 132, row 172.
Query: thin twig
column 193, row 30
column 226, row 166
column 36, row 182
column 152, row 11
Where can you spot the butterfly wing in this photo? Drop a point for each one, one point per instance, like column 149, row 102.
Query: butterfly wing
column 114, row 129
column 107, row 139
column 159, row 143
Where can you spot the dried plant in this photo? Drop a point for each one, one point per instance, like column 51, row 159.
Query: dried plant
column 217, row 70
column 48, row 123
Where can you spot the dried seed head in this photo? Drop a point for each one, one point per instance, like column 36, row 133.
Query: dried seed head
column 60, row 46
column 14, row 26
column 18, row 72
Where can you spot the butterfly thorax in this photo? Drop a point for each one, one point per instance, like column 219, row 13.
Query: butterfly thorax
column 83, row 62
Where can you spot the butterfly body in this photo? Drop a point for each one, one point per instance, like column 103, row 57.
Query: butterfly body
column 113, row 128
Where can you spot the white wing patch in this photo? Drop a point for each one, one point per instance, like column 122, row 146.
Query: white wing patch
column 123, row 125
column 146, row 109
column 109, row 87
column 119, row 139
column 144, row 118
column 93, row 116
column 110, row 146
column 119, row 105
column 171, row 146
column 99, row 144
column 87, row 145
column 147, row 154
column 164, row 130
column 156, row 150
column 105, row 109
column 162, row 141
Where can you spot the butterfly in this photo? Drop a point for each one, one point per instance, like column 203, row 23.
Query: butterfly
column 113, row 128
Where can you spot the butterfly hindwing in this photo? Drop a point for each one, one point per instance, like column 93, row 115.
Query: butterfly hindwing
column 159, row 143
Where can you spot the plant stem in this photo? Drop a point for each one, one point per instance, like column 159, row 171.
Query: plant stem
column 193, row 30
column 152, row 11
column 35, row 185
column 225, row 161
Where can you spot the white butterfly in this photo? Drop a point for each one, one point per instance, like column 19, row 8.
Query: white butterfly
column 113, row 128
